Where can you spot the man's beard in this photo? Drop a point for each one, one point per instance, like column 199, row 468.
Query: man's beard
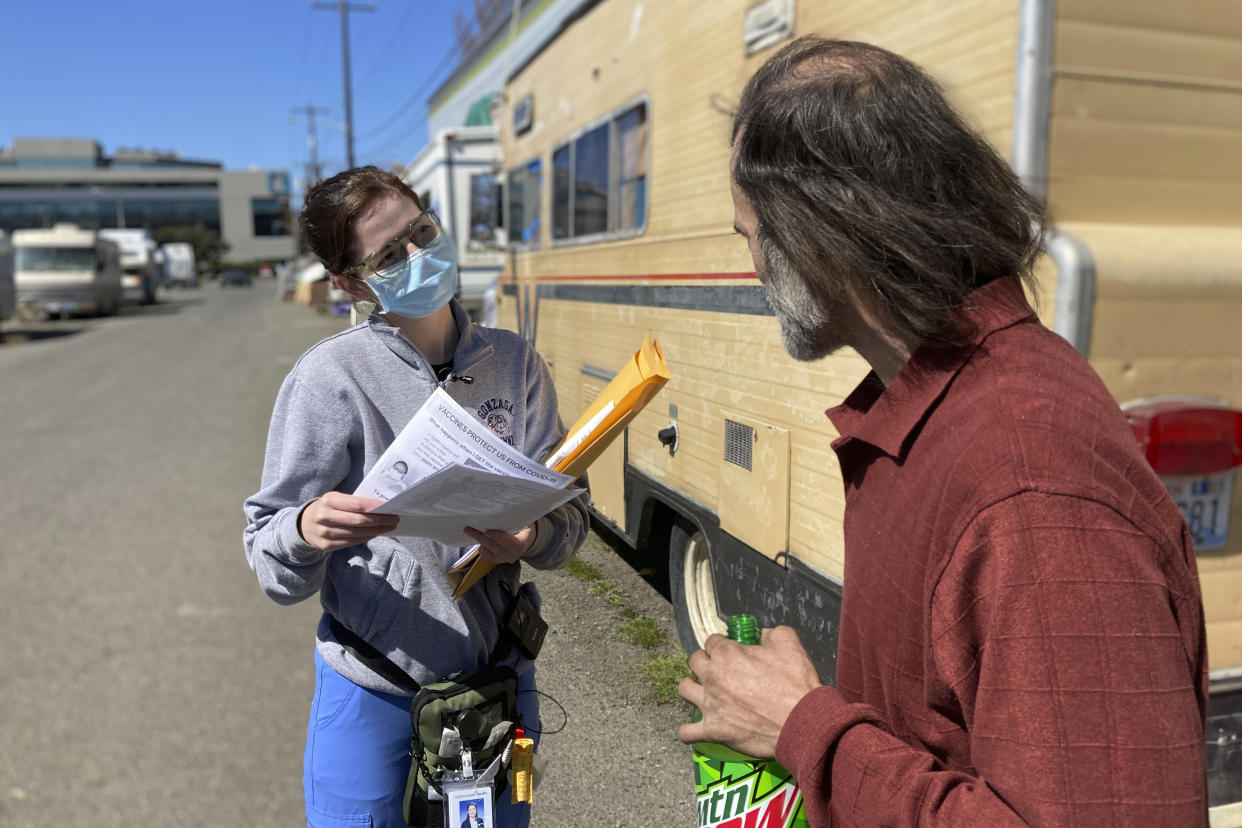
column 805, row 314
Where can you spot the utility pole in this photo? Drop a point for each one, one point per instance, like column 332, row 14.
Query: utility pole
column 345, row 8
column 313, row 173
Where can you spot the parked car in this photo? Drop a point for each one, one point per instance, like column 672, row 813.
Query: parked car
column 234, row 276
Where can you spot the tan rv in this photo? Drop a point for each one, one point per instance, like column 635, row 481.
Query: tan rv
column 66, row 269
column 1126, row 116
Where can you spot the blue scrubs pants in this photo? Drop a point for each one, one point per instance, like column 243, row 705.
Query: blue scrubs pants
column 358, row 754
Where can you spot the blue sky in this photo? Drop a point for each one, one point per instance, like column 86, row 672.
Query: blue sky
column 219, row 80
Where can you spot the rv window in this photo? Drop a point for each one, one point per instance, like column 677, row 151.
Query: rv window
column 45, row 259
column 482, row 210
column 599, row 183
column 632, row 169
column 524, row 186
column 591, row 182
column 517, row 191
column 560, row 193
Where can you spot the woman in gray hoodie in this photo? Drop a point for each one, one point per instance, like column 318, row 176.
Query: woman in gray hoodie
column 338, row 410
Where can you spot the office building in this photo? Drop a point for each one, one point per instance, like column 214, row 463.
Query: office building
column 48, row 180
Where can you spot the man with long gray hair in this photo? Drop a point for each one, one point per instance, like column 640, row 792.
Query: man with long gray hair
column 1021, row 634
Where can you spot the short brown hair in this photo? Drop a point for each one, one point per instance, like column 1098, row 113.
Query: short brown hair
column 334, row 204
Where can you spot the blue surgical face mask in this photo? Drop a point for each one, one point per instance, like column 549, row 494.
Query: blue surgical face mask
column 420, row 285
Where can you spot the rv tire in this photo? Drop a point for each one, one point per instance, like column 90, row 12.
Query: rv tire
column 691, row 586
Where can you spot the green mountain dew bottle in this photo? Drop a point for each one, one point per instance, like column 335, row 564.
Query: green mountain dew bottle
column 739, row 791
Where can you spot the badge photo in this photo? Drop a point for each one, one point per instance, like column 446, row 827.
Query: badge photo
column 469, row 808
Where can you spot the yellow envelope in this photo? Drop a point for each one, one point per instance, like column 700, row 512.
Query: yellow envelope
column 629, row 391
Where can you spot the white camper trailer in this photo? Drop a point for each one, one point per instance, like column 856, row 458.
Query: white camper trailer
column 457, row 175
column 179, row 267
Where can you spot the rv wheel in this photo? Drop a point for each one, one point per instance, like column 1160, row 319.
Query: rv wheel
column 692, row 587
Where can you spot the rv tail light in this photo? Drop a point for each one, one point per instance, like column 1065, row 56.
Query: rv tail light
column 1187, row 436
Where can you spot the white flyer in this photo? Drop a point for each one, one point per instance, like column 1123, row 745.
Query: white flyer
column 446, row 470
column 439, row 505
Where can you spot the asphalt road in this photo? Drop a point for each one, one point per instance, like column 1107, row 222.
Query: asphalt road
column 144, row 678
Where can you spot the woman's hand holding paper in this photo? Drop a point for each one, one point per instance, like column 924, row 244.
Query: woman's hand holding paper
column 501, row 547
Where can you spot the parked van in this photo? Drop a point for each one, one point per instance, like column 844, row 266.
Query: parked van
column 8, row 290
column 179, row 267
column 65, row 270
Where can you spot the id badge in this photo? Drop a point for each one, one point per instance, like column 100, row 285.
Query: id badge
column 468, row 803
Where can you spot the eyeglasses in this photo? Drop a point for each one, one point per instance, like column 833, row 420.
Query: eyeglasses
column 421, row 232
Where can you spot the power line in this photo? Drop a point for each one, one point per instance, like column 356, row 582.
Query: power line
column 317, row 44
column 298, row 75
column 345, row 8
column 380, row 59
column 515, row 13
column 313, row 170
column 413, row 99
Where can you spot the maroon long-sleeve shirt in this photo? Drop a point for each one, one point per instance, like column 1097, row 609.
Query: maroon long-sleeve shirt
column 1021, row 635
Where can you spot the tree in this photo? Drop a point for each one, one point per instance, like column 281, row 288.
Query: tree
column 471, row 30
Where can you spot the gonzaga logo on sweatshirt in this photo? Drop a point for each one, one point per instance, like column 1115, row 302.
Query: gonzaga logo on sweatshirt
column 497, row 414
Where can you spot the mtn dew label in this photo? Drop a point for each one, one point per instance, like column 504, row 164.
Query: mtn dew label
column 739, row 791
column 745, row 793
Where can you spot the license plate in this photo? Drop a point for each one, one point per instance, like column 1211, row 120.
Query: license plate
column 1204, row 502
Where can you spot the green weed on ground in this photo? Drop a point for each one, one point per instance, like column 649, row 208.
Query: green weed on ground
column 641, row 631
column 662, row 674
column 581, row 571
column 664, row 664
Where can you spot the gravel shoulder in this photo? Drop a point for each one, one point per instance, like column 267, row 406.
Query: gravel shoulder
column 618, row 761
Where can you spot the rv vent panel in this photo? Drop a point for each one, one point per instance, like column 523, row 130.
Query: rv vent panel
column 739, row 442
